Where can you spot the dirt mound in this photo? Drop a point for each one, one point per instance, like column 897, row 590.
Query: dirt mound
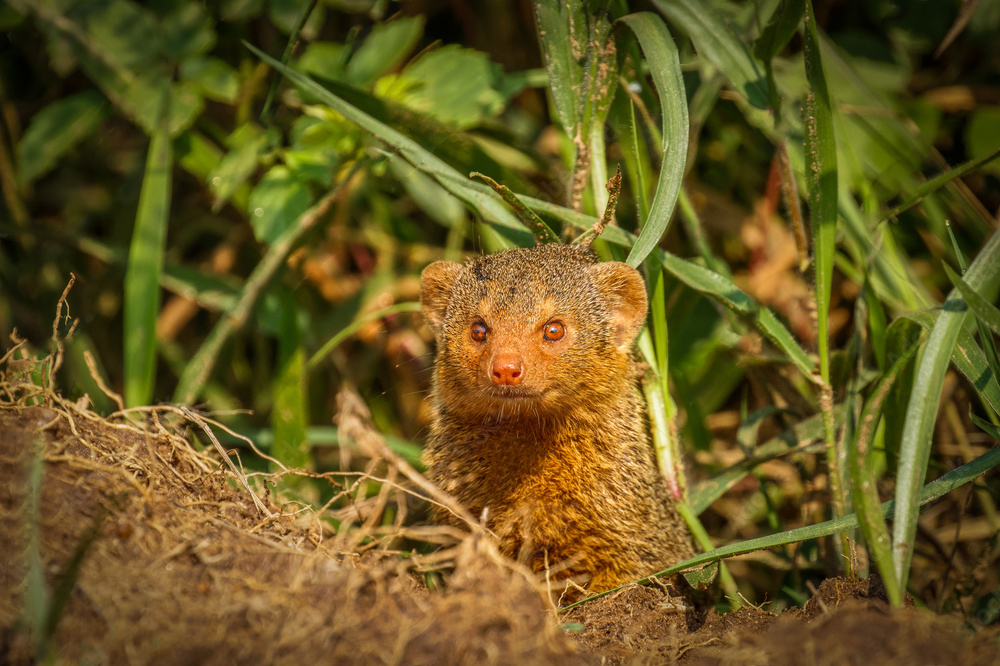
column 153, row 552
column 846, row 622
column 178, row 566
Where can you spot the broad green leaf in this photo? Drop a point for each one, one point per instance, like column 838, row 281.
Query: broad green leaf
column 287, row 16
column 137, row 100
column 433, row 199
column 664, row 66
column 479, row 197
column 239, row 10
column 716, row 42
column 982, row 134
column 384, row 49
column 276, row 202
column 145, row 262
column 10, row 18
column 122, row 31
column 325, row 60
column 452, row 84
column 55, row 130
column 212, row 78
column 236, row 167
column 187, row 31
column 983, row 276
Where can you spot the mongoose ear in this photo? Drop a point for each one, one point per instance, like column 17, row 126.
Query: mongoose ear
column 436, row 283
column 626, row 294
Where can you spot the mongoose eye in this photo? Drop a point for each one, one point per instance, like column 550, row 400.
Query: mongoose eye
column 479, row 331
column 554, row 330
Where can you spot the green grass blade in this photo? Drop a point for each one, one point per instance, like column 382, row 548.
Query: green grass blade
column 662, row 411
column 921, row 413
column 863, row 482
column 821, row 180
column 556, row 34
column 318, row 436
column 665, row 67
column 717, row 43
column 145, row 262
column 969, row 359
column 710, row 283
column 779, row 29
column 982, row 308
column 540, row 230
column 987, row 317
column 777, row 333
column 932, row 491
column 704, row 541
column 939, row 181
column 580, row 59
column 987, row 427
column 821, row 177
column 725, row 291
column 293, row 39
column 288, row 416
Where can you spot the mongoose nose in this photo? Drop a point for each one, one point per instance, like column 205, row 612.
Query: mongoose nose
column 507, row 370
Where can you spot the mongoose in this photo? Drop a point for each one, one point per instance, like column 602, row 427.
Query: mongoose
column 538, row 424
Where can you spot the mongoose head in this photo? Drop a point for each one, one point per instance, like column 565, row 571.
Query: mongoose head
column 532, row 332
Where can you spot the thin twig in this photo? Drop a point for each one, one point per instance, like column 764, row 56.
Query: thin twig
column 55, row 359
column 88, row 358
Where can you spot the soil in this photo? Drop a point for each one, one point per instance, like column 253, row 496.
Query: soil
column 155, row 553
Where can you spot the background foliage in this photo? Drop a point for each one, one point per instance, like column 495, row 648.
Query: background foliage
column 252, row 246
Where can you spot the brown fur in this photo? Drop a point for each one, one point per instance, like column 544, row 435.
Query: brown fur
column 556, row 455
